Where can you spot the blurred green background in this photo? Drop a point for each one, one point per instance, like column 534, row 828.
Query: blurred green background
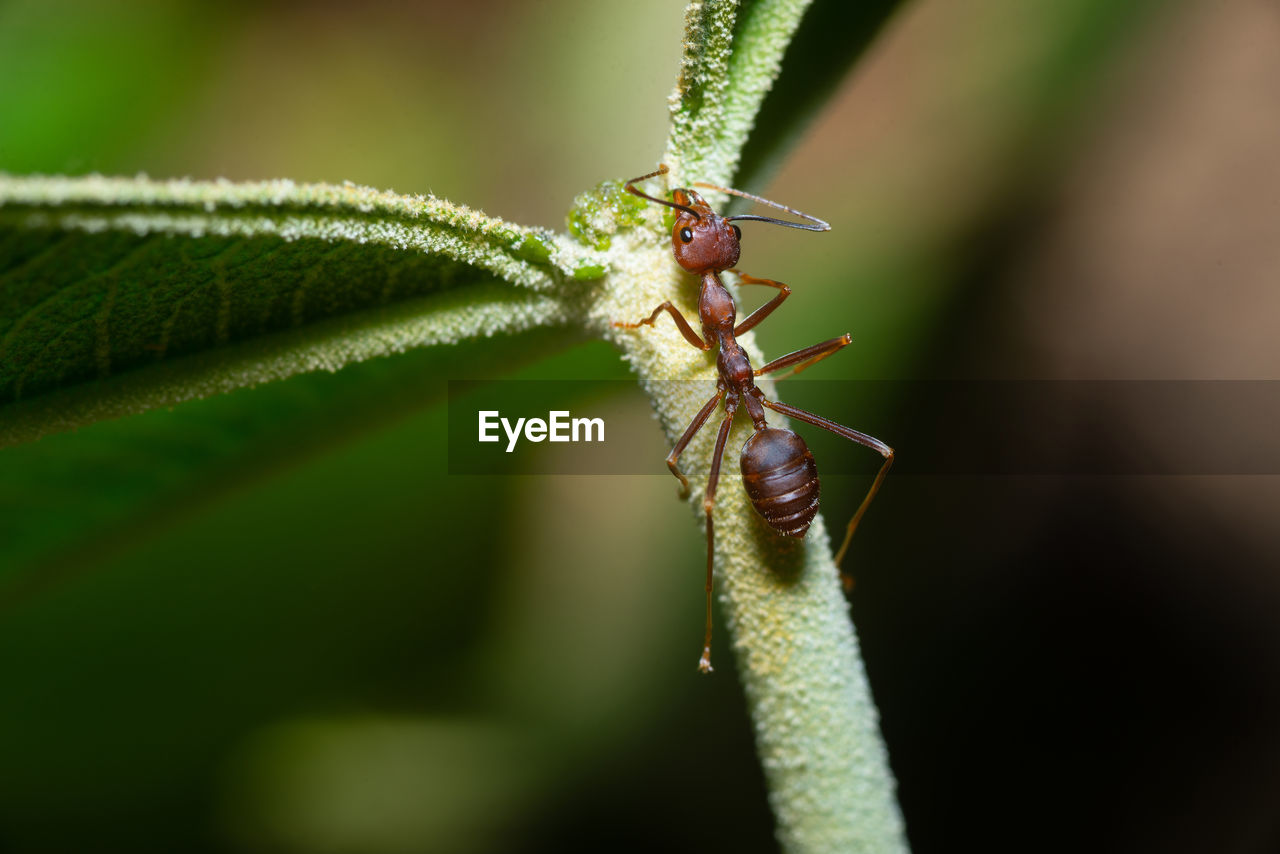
column 270, row 621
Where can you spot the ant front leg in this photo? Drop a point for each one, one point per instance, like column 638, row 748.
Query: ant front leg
column 805, row 358
column 750, row 321
column 685, row 329
column 694, row 426
column 709, row 504
column 854, row 436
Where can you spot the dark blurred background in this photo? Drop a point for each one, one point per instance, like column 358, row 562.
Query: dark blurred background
column 271, row 622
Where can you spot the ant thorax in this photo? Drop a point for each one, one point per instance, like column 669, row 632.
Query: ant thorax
column 716, row 308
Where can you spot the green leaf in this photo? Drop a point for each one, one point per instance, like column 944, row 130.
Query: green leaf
column 733, row 54
column 118, row 295
column 73, row 499
column 698, row 130
column 825, row 764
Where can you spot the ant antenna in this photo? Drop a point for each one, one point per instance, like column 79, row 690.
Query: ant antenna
column 818, row 224
column 662, row 170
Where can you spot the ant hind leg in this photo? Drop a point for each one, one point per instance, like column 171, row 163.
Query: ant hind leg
column 845, row 577
column 708, row 504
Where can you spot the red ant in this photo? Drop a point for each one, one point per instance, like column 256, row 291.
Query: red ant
column 778, row 470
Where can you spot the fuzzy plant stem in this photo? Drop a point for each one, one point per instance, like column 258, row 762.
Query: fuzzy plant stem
column 816, row 727
column 815, row 724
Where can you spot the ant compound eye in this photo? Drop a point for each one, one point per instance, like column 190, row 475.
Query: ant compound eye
column 737, row 232
column 686, row 234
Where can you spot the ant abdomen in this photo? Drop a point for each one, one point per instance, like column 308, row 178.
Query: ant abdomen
column 781, row 479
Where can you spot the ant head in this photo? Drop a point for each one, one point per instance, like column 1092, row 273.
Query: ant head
column 702, row 239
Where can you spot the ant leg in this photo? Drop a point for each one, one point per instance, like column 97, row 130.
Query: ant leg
column 685, row 329
column 708, row 504
column 858, row 514
column 805, row 358
column 694, row 426
column 862, row 439
column 750, row 321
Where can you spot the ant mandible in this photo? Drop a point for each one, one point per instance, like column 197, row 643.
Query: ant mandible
column 778, row 470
